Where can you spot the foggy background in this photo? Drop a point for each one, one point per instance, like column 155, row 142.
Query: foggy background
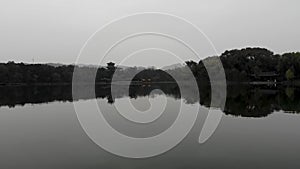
column 54, row 31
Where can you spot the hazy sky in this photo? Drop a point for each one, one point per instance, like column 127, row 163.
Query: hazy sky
column 55, row 31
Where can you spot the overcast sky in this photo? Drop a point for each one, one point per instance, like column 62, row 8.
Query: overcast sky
column 55, row 30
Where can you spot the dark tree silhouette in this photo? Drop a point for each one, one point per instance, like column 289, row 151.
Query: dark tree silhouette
column 245, row 65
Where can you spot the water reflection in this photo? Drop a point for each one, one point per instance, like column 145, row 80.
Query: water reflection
column 242, row 100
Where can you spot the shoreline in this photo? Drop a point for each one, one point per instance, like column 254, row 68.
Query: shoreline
column 255, row 83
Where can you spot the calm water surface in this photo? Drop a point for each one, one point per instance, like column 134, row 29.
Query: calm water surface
column 259, row 129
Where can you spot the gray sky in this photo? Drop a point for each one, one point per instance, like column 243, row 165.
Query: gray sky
column 55, row 31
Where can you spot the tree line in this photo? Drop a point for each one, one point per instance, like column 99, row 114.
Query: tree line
column 244, row 65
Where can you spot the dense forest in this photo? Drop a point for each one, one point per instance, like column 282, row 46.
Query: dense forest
column 245, row 65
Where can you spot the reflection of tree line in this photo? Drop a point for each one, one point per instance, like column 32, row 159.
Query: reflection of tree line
column 251, row 101
column 242, row 100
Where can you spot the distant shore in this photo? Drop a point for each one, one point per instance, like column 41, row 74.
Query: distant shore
column 257, row 83
column 254, row 66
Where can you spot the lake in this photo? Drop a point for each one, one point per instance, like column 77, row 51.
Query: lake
column 259, row 128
